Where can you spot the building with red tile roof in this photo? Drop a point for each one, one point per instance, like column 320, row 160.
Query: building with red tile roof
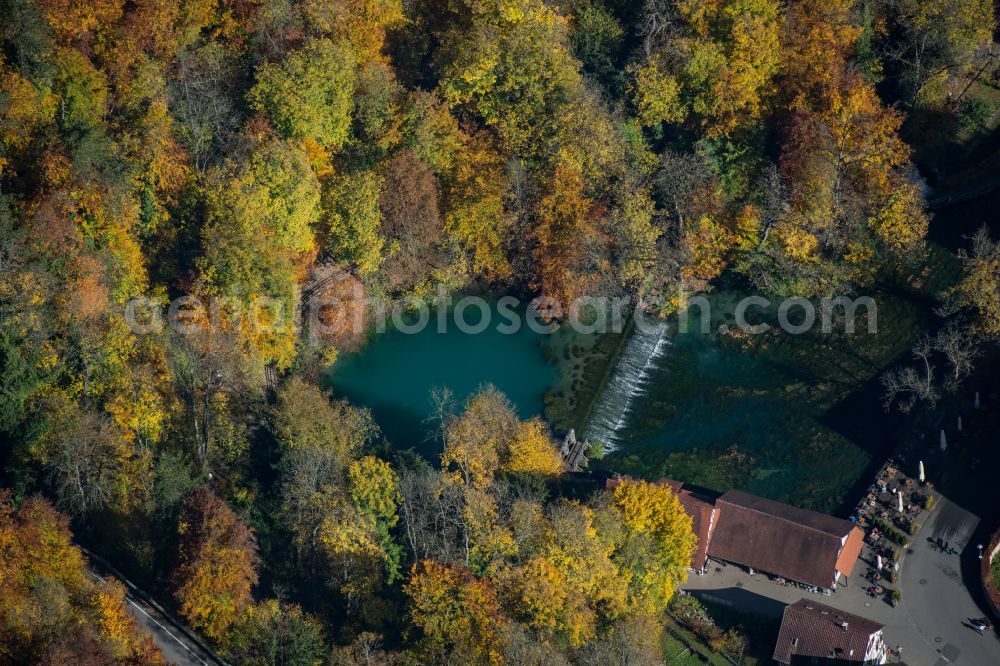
column 701, row 507
column 813, row 633
column 797, row 544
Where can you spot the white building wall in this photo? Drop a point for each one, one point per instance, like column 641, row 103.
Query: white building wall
column 876, row 652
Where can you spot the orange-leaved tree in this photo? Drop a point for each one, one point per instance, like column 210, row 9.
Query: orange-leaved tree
column 50, row 611
column 458, row 614
column 217, row 563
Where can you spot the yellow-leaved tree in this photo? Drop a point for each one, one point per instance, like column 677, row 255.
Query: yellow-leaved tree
column 711, row 62
column 657, row 542
column 217, row 564
column 459, row 615
column 51, row 611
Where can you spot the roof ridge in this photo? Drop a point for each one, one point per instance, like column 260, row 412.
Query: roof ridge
column 783, row 518
column 805, row 606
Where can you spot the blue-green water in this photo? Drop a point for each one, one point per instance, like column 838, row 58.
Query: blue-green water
column 788, row 417
column 796, row 418
column 394, row 374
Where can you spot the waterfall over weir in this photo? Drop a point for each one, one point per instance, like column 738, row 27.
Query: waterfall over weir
column 627, row 382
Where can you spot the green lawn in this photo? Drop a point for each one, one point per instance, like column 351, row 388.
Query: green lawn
column 682, row 648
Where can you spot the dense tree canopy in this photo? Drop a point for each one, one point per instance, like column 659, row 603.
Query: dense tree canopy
column 50, row 610
column 256, row 159
column 217, row 563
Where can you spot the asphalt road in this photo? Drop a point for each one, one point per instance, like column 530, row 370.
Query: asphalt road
column 936, row 600
column 176, row 649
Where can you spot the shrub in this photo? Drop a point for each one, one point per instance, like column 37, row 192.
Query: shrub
column 975, row 112
column 731, row 642
column 890, row 531
column 687, row 607
column 895, row 595
column 928, row 503
column 912, row 528
column 596, row 451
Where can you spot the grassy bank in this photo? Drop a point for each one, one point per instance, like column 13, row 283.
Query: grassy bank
column 682, row 648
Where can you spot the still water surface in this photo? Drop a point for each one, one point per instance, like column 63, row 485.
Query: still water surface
column 394, row 374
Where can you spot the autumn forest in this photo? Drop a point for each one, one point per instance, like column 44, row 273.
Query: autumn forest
column 379, row 151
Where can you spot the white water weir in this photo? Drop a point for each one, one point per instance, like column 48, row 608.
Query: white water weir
column 628, row 381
